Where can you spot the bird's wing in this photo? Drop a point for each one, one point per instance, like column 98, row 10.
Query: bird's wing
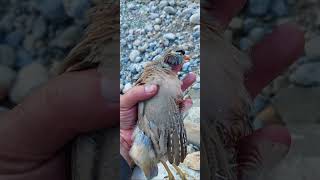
column 99, row 41
column 161, row 120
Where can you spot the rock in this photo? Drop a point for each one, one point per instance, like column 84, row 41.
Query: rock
column 7, row 55
column 193, row 161
column 7, row 77
column 23, row 58
column 297, row 104
column 53, row 10
column 76, row 8
column 279, row 8
column 15, row 38
column 28, row 79
column 259, row 7
column 170, row 10
column 256, row 34
column 156, row 27
column 68, row 37
column 162, row 4
column 29, row 43
column 133, row 55
column 245, row 43
column 127, row 87
column 169, row 36
column 195, row 18
column 39, row 29
column 307, row 75
column 236, row 23
column 193, row 133
column 312, row 47
column 193, row 115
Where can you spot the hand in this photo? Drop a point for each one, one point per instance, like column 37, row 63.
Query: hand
column 128, row 111
column 33, row 135
column 270, row 57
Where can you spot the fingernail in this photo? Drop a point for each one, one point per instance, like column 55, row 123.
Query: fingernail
column 150, row 88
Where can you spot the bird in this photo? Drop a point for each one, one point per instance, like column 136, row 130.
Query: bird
column 96, row 155
column 160, row 135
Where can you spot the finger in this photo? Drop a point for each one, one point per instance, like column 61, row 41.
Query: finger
column 270, row 144
column 273, row 55
column 220, row 12
column 186, row 105
column 188, row 81
column 137, row 94
column 56, row 113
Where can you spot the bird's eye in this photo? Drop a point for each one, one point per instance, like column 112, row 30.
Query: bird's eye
column 181, row 51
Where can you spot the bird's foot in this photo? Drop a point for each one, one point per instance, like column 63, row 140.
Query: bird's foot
column 181, row 174
column 170, row 175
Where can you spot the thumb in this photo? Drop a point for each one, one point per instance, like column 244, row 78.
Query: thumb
column 137, row 94
column 70, row 104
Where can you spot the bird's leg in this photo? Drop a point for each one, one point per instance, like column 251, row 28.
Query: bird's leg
column 181, row 174
column 170, row 175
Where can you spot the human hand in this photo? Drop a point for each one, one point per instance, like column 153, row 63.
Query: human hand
column 33, row 135
column 128, row 111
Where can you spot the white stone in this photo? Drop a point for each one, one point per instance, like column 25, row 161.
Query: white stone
column 127, row 87
column 169, row 36
column 195, row 18
column 134, row 54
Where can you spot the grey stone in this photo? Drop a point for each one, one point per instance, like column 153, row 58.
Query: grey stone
column 133, row 55
column 312, row 47
column 39, row 29
column 7, row 55
column 28, row 79
column 50, row 9
column 298, row 104
column 307, row 75
column 169, row 36
column 170, row 10
column 76, row 8
column 127, row 87
column 68, row 37
column 195, row 18
column 259, row 7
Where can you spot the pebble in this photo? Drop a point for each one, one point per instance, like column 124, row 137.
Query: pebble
column 236, row 23
column 312, row 47
column 127, row 87
column 53, row 10
column 307, row 75
column 68, row 37
column 256, row 34
column 76, row 8
column 15, row 38
column 170, row 10
column 169, row 36
column 259, row 7
column 133, row 55
column 298, row 104
column 7, row 76
column 279, row 8
column 156, row 27
column 162, row 4
column 193, row 133
column 193, row 161
column 195, row 18
column 39, row 29
column 28, row 79
column 7, row 55
column 23, row 58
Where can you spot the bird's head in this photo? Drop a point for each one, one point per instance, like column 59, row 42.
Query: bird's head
column 174, row 59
